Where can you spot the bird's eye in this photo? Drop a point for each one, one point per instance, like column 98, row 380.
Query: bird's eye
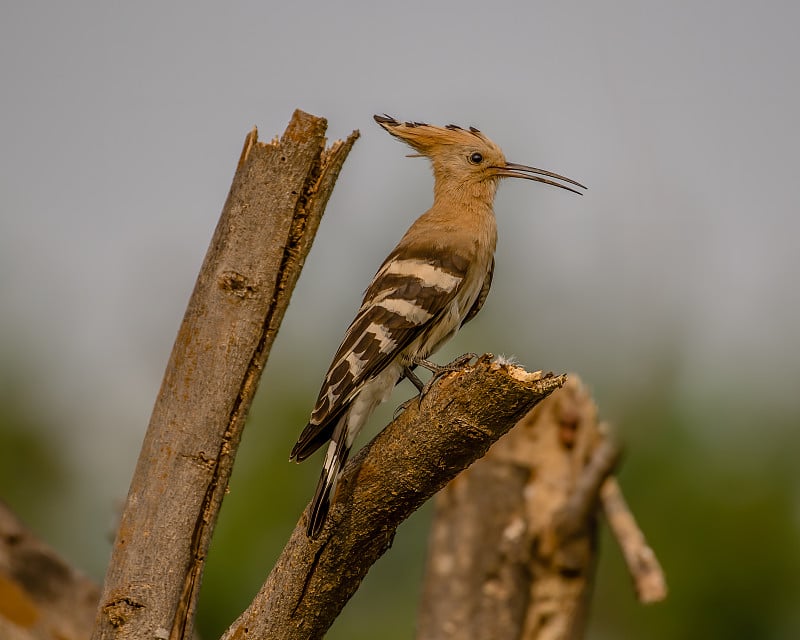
column 476, row 158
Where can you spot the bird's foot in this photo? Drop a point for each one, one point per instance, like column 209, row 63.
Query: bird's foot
column 437, row 370
column 440, row 370
column 405, row 405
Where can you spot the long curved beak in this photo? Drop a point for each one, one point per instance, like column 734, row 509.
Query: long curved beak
column 514, row 170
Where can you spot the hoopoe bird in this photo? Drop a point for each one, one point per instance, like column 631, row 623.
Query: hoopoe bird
column 434, row 281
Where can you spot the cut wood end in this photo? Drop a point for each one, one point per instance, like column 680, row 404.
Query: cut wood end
column 301, row 127
column 547, row 381
column 304, row 126
column 518, row 373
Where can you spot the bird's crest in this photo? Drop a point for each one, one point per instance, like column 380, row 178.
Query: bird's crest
column 427, row 138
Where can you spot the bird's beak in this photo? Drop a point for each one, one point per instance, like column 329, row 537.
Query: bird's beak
column 514, row 170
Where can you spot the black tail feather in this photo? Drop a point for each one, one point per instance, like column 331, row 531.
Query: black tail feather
column 323, row 496
column 319, row 508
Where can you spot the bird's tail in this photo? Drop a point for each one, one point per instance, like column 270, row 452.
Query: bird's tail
column 335, row 458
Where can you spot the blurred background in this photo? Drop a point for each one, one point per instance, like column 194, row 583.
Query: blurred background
column 671, row 287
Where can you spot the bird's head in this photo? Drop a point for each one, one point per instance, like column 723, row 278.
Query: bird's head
column 466, row 157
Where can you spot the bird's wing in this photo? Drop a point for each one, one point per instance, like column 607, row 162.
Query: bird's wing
column 484, row 293
column 404, row 300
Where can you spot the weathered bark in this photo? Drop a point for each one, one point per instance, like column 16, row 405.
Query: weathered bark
column 476, row 586
column 513, row 544
column 41, row 596
column 403, row 466
column 277, row 198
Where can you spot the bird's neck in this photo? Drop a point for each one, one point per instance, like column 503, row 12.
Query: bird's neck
column 467, row 194
column 464, row 221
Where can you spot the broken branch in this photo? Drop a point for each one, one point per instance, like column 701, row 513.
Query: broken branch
column 404, row 465
column 277, row 198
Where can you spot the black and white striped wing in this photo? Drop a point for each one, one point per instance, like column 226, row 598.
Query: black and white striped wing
column 406, row 297
column 482, row 295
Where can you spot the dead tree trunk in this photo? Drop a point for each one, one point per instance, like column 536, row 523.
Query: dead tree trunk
column 514, row 540
column 272, row 212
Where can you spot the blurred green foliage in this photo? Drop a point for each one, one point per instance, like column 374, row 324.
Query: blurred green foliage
column 33, row 476
column 721, row 513
column 720, row 508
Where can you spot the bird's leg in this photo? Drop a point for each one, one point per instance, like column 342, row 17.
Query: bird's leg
column 413, row 378
column 439, row 370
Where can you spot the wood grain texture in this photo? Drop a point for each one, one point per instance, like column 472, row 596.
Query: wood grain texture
column 275, row 203
column 513, row 544
column 411, row 459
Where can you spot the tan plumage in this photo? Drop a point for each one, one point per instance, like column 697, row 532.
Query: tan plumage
column 436, row 279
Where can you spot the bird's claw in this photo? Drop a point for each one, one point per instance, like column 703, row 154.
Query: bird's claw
column 437, row 370
column 403, row 406
column 440, row 370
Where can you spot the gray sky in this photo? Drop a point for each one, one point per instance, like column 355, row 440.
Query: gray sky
column 122, row 124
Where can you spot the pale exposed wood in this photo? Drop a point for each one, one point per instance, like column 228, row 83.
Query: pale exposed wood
column 646, row 573
column 403, row 466
column 41, row 596
column 469, row 585
column 273, row 209
column 513, row 545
